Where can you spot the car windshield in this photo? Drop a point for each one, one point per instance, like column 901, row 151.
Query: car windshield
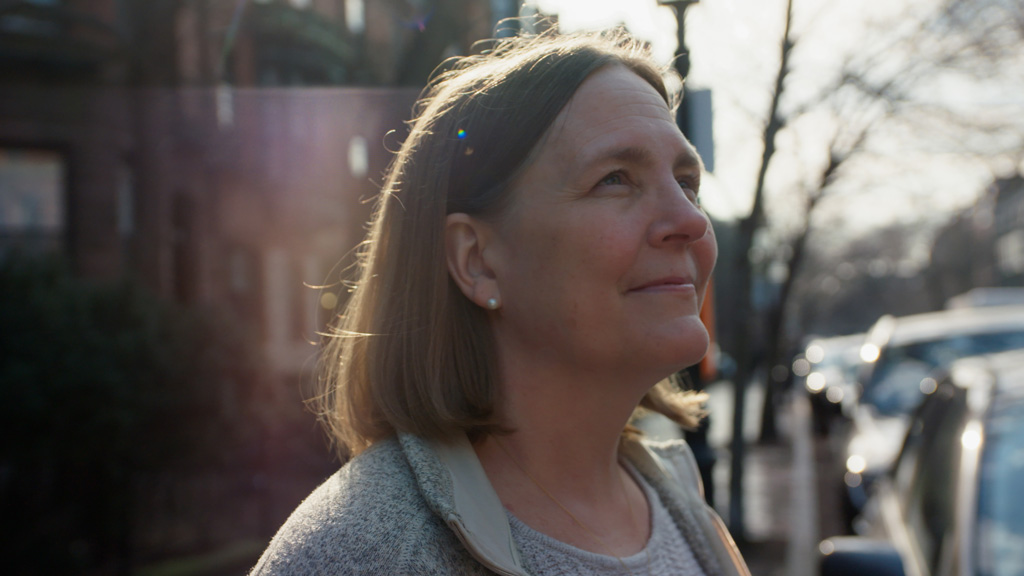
column 999, row 538
column 843, row 360
column 895, row 385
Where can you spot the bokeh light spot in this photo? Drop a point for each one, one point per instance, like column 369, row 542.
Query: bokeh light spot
column 815, row 353
column 328, row 300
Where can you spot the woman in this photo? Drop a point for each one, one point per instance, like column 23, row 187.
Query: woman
column 535, row 267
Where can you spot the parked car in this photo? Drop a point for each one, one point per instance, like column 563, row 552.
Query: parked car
column 952, row 505
column 828, row 368
column 997, row 296
column 898, row 357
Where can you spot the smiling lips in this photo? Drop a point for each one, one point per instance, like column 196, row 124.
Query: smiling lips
column 670, row 284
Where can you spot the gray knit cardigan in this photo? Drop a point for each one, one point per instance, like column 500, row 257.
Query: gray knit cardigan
column 409, row 506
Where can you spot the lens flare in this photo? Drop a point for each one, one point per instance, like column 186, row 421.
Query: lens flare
column 870, row 353
column 815, row 382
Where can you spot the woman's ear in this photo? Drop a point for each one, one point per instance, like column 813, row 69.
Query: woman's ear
column 465, row 245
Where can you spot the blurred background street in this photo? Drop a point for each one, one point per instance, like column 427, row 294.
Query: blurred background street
column 183, row 184
column 789, row 506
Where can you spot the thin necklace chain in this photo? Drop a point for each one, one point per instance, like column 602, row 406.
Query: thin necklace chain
column 578, row 522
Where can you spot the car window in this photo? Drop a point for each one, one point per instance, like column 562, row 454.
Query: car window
column 894, row 386
column 926, row 472
column 999, row 543
column 897, row 390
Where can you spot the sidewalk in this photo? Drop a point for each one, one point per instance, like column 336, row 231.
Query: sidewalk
column 780, row 488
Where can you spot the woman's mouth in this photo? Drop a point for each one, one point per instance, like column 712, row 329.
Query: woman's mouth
column 667, row 284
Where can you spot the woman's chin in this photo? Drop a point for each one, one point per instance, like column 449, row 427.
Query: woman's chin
column 689, row 348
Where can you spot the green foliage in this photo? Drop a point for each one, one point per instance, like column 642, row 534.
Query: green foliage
column 97, row 384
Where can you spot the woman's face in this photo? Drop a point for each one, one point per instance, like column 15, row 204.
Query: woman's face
column 603, row 256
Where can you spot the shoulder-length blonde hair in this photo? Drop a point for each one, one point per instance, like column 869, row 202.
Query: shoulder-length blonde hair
column 410, row 352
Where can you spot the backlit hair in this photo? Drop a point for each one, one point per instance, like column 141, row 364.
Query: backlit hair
column 410, row 352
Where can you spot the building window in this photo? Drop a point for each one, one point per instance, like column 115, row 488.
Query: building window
column 245, row 287
column 125, row 201
column 32, row 22
column 300, row 293
column 32, row 201
column 1010, row 253
column 358, row 157
column 355, row 16
column 240, row 268
column 185, row 250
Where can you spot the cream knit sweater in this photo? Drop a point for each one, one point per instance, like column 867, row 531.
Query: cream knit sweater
column 401, row 507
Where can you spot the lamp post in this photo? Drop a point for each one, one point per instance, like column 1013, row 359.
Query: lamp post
column 682, row 61
column 736, row 524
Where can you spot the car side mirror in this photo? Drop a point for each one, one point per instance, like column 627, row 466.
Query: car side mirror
column 855, row 556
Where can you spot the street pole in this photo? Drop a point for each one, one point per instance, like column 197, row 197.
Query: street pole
column 737, row 448
column 682, row 61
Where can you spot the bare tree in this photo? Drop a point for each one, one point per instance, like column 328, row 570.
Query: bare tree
column 893, row 82
column 747, row 227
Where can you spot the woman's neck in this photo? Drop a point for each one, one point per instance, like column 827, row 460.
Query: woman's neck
column 577, row 408
column 558, row 471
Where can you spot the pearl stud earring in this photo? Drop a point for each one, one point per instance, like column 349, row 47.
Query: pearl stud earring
column 492, row 304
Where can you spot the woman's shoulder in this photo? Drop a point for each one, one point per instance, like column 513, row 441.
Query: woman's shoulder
column 673, row 450
column 365, row 518
column 658, row 458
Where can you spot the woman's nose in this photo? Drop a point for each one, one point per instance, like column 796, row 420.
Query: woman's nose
column 679, row 218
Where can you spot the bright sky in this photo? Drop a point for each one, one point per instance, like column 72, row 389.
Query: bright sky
column 644, row 18
column 734, row 48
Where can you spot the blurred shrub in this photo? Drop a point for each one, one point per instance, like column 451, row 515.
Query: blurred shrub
column 99, row 383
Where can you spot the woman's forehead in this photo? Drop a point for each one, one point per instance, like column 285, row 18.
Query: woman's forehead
column 611, row 103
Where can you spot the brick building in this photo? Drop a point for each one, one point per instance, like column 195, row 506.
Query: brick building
column 982, row 246
column 220, row 152
column 165, row 139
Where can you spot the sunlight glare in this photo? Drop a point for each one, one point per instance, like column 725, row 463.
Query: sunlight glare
column 870, row 353
column 815, row 382
column 645, row 19
column 815, row 353
column 971, row 438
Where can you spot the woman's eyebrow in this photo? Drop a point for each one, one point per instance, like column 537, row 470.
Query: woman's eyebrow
column 632, row 155
column 625, row 155
column 642, row 156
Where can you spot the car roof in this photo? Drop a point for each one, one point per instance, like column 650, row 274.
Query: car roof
column 1002, row 373
column 1008, row 369
column 988, row 296
column 834, row 342
column 934, row 325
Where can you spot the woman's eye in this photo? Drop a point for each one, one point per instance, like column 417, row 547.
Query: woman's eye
column 690, row 188
column 613, row 179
